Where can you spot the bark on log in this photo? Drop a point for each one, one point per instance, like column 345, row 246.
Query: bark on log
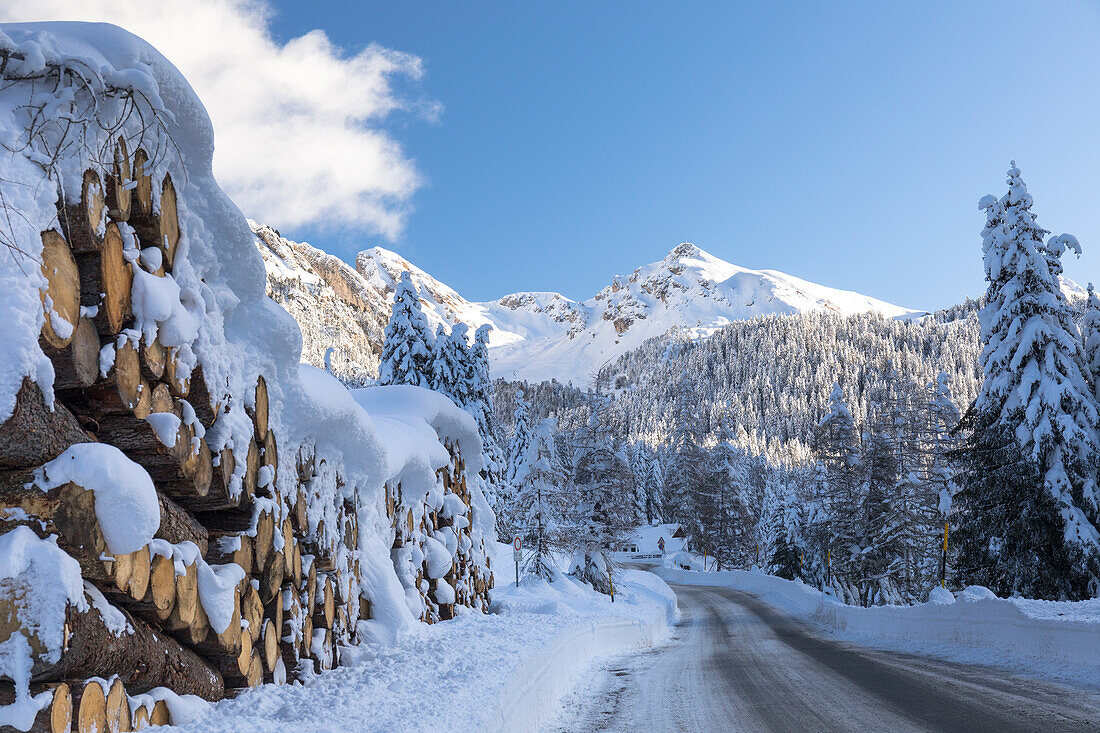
column 176, row 469
column 259, row 411
column 203, row 401
column 142, row 657
column 61, row 298
column 118, row 194
column 80, row 220
column 230, row 547
column 76, row 365
column 106, row 281
column 35, row 434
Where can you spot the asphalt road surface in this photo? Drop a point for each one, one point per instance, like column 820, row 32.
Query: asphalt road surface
column 735, row 663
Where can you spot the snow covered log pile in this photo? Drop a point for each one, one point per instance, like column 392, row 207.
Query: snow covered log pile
column 185, row 511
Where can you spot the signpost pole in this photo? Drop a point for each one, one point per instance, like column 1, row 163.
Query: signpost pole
column 517, row 547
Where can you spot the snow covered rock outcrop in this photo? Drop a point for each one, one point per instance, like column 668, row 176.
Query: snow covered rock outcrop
column 333, row 304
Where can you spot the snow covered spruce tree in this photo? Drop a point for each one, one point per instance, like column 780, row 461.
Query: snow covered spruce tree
column 514, row 471
column 448, row 365
column 836, row 532
column 603, row 511
column 1090, row 334
column 407, row 349
column 540, row 502
column 1027, row 501
column 480, row 405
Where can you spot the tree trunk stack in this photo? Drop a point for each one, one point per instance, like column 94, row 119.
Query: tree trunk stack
column 257, row 503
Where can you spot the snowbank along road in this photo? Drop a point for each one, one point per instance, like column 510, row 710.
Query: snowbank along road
column 736, row 663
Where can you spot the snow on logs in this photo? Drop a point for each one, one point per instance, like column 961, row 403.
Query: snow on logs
column 209, row 549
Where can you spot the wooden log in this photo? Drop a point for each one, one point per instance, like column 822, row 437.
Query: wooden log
column 118, row 192
column 160, row 715
column 207, row 407
column 157, row 228
column 120, row 393
column 154, row 359
column 141, row 569
column 169, row 221
column 76, row 365
column 271, row 580
column 91, row 703
column 162, row 400
column 177, row 525
column 141, row 200
column 263, row 540
column 259, row 410
column 36, row 432
column 106, row 280
column 252, row 611
column 161, row 597
column 289, row 543
column 269, row 645
column 176, row 375
column 81, row 220
column 61, row 298
column 230, row 547
column 56, row 717
column 140, row 718
column 176, row 469
column 187, row 600
column 220, row 496
column 118, row 708
column 142, row 657
column 270, row 454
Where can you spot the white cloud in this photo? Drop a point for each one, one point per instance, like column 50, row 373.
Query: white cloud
column 297, row 136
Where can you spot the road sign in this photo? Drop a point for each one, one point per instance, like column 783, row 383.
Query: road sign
column 661, row 544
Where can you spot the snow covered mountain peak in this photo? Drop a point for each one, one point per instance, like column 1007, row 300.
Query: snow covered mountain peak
column 545, row 335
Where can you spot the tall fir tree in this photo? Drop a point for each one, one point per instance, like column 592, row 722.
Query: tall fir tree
column 541, row 501
column 603, row 505
column 1027, row 490
column 837, row 530
column 409, row 344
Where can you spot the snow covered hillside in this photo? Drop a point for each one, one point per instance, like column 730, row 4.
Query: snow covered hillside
column 538, row 336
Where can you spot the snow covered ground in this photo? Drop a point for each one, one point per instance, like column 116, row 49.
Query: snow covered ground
column 1059, row 640
column 502, row 671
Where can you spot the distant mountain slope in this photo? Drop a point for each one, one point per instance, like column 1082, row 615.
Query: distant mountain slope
column 541, row 336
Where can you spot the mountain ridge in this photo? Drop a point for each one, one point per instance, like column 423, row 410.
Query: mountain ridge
column 537, row 335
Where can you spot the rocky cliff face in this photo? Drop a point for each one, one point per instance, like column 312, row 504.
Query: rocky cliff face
column 333, row 304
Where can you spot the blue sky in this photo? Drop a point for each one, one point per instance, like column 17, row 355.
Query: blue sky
column 844, row 143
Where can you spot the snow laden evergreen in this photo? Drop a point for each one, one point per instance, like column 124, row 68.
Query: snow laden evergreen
column 408, row 346
column 541, row 501
column 1027, row 501
column 1090, row 333
column 480, row 406
column 515, row 469
column 603, row 511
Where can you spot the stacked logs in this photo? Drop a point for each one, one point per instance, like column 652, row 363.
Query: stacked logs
column 413, row 521
column 282, row 520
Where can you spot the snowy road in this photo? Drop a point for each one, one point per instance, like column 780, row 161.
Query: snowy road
column 736, row 663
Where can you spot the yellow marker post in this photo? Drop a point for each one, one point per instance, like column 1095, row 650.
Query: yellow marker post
column 943, row 558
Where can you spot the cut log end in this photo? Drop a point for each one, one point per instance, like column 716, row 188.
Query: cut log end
column 61, row 298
